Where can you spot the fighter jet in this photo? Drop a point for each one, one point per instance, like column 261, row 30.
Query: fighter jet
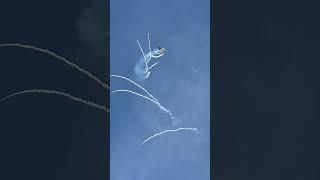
column 145, row 60
column 158, row 52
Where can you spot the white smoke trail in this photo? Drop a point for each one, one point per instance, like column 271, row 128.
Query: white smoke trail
column 136, row 84
column 166, row 131
column 156, row 102
column 145, row 59
column 59, row 58
column 135, row 93
column 149, row 47
column 154, row 99
column 46, row 91
column 153, row 65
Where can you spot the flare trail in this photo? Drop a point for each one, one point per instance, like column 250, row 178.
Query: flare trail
column 46, row 91
column 136, row 84
column 59, row 58
column 140, row 95
column 166, row 131
column 152, row 98
column 144, row 57
column 153, row 65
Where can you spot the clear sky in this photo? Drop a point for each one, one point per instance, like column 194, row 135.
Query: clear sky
column 181, row 82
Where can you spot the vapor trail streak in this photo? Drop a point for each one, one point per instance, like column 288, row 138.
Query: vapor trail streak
column 46, row 91
column 166, row 131
column 144, row 56
column 135, row 93
column 59, row 58
column 118, row 76
column 153, row 65
column 157, row 103
column 149, row 47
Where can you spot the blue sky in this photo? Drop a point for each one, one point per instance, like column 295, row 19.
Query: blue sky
column 181, row 82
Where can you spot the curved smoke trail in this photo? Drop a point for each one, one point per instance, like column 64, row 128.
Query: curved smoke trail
column 59, row 58
column 149, row 94
column 144, row 57
column 136, row 84
column 166, row 131
column 153, row 65
column 140, row 95
column 46, row 91
column 135, row 93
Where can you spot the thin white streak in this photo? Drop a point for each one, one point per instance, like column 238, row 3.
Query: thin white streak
column 135, row 93
column 118, row 76
column 59, row 58
column 166, row 131
column 145, row 59
column 46, row 91
column 149, row 48
column 156, row 102
column 153, row 65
